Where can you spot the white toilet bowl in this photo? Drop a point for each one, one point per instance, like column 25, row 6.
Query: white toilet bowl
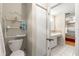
column 17, row 53
column 15, row 46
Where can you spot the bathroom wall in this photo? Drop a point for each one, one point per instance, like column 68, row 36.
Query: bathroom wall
column 11, row 8
column 27, row 15
column 52, row 23
column 77, row 29
column 40, row 31
column 60, row 26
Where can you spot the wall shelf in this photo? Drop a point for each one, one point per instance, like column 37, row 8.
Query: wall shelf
column 71, row 22
column 15, row 20
column 13, row 28
column 8, row 27
column 16, row 36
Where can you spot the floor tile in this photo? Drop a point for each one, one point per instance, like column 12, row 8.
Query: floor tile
column 63, row 51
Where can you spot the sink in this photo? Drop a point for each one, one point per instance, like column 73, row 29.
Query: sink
column 52, row 40
column 55, row 34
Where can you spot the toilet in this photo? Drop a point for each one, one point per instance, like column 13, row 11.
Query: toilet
column 15, row 46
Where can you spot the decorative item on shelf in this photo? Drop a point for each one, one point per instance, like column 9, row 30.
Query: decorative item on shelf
column 23, row 25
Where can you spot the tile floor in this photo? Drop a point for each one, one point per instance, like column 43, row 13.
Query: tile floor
column 63, row 51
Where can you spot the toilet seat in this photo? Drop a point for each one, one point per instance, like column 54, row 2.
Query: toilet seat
column 18, row 53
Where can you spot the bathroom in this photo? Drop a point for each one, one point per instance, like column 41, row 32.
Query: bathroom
column 62, row 22
column 20, row 29
column 39, row 29
column 14, row 23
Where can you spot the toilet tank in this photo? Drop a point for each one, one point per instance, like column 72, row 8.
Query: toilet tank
column 15, row 44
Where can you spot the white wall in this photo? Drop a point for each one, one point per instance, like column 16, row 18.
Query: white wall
column 60, row 26
column 52, row 22
column 41, row 31
column 38, row 31
column 77, row 29
column 27, row 16
column 10, row 9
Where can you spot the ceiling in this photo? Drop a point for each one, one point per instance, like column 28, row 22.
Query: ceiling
column 63, row 8
column 52, row 4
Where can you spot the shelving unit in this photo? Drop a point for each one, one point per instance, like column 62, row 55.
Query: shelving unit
column 70, row 31
column 12, row 28
column 70, row 22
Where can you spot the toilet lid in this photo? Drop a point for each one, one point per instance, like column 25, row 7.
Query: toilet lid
column 18, row 53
